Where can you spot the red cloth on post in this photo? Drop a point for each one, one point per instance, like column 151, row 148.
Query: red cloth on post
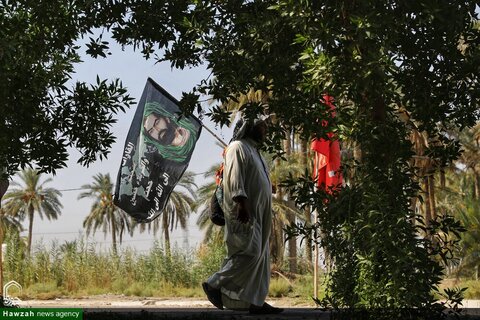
column 326, row 167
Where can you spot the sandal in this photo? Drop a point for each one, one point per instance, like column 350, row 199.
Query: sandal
column 213, row 295
column 265, row 309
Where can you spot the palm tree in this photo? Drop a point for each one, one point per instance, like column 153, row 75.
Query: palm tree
column 234, row 104
column 177, row 210
column 459, row 197
column 7, row 222
column 31, row 197
column 104, row 214
column 204, row 193
column 285, row 212
column 468, row 214
column 281, row 207
column 470, row 140
column 284, row 209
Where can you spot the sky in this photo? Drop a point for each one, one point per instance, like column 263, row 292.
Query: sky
column 133, row 70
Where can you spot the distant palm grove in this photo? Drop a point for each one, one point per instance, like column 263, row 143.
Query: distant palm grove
column 77, row 268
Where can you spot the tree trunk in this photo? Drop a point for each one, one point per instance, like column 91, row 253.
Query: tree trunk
column 114, row 233
column 357, row 156
column 287, row 144
column 292, row 242
column 306, row 213
column 442, row 179
column 413, row 207
column 476, row 174
column 277, row 244
column 1, row 260
column 431, row 194
column 166, row 234
column 428, row 213
column 30, row 230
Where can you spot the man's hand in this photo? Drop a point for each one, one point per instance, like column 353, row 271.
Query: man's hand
column 243, row 214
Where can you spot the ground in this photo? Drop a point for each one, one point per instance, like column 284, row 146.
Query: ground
column 121, row 301
column 132, row 308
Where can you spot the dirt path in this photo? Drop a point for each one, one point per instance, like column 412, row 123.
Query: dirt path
column 119, row 301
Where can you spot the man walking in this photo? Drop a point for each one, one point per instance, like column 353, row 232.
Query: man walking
column 243, row 280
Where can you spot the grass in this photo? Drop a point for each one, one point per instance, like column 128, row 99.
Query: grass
column 41, row 291
column 473, row 287
column 279, row 288
column 77, row 270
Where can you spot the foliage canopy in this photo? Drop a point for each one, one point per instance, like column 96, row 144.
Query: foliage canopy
column 395, row 68
column 41, row 113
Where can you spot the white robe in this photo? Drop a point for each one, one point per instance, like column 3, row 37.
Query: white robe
column 245, row 275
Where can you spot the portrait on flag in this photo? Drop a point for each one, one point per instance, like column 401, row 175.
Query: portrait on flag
column 157, row 151
column 173, row 138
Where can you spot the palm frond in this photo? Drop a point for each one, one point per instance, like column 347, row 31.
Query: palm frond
column 31, row 196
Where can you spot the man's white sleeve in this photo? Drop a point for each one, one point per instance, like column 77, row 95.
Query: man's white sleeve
column 236, row 163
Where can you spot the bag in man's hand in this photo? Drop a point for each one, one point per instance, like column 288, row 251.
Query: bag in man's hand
column 217, row 215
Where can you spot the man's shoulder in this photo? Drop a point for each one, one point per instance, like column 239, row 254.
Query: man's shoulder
column 238, row 145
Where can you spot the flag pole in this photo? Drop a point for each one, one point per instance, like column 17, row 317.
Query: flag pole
column 315, row 266
column 315, row 219
column 214, row 135
column 315, row 245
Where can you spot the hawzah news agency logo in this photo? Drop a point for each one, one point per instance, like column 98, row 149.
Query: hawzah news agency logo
column 11, row 301
column 34, row 313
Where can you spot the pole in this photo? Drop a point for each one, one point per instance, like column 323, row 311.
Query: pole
column 315, row 265
column 214, row 135
column 315, row 244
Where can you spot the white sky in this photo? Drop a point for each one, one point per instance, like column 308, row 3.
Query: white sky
column 133, row 70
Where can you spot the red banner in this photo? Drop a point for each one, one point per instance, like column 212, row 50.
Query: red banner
column 326, row 167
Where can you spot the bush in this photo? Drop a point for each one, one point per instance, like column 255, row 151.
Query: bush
column 209, row 260
column 41, row 291
column 279, row 288
column 473, row 288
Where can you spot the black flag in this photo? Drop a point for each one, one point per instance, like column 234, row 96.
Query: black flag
column 157, row 151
